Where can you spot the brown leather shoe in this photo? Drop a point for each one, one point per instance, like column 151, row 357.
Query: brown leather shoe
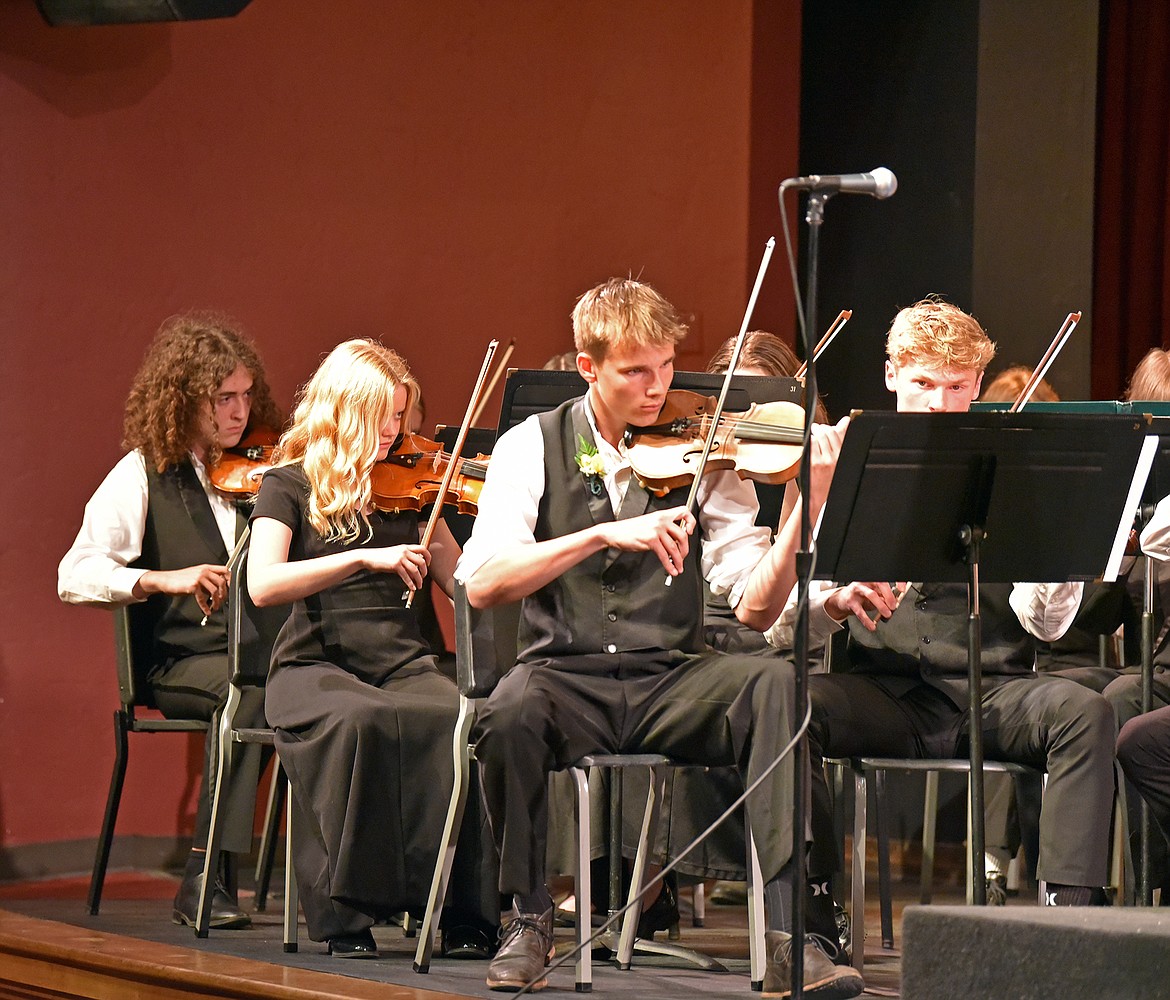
column 526, row 945
column 822, row 979
column 225, row 914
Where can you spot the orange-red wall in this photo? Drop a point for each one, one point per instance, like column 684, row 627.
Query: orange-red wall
column 435, row 174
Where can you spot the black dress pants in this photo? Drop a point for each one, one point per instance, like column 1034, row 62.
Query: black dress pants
column 196, row 688
column 1047, row 722
column 709, row 709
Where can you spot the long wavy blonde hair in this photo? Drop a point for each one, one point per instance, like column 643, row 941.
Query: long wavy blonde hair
column 336, row 429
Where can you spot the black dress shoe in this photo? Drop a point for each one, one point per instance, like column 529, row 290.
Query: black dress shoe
column 662, row 914
column 360, row 945
column 465, row 941
column 225, row 914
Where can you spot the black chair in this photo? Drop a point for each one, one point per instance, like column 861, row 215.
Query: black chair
column 861, row 768
column 133, row 633
column 485, row 649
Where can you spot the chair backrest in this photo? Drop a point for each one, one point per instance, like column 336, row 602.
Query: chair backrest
column 133, row 641
column 485, row 644
column 252, row 630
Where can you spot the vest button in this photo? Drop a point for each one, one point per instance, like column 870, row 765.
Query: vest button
column 611, row 648
column 610, row 587
column 612, row 617
column 926, row 639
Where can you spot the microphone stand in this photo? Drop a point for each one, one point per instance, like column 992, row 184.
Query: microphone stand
column 814, row 216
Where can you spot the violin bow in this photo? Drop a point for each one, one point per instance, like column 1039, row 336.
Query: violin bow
column 709, row 440
column 491, row 386
column 453, row 460
column 1057, row 345
column 843, row 317
column 234, row 558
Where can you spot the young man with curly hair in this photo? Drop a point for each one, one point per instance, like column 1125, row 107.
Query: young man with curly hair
column 156, row 530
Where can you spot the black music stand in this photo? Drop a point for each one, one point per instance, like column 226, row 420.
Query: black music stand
column 997, row 497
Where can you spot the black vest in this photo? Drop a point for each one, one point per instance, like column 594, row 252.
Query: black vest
column 612, row 601
column 926, row 640
column 181, row 531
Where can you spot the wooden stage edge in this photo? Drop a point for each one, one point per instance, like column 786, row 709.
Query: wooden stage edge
column 42, row 959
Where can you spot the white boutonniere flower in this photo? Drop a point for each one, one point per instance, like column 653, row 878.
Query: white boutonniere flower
column 591, row 464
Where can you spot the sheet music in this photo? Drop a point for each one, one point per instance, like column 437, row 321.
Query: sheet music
column 1133, row 500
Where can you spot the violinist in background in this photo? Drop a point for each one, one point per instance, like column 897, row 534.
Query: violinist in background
column 902, row 688
column 612, row 658
column 564, row 362
column 157, row 530
column 363, row 718
column 1009, row 383
column 698, row 798
column 1151, row 377
column 762, row 354
column 1144, row 742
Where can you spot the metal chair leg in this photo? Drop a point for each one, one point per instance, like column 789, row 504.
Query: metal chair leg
column 583, row 880
column 267, row 854
column 699, row 904
column 883, row 838
column 858, row 868
column 215, row 834
column 929, row 821
column 757, row 951
column 291, row 897
column 461, row 757
column 113, row 800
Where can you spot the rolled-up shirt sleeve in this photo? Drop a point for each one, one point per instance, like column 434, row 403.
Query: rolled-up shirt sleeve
column 1046, row 610
column 1155, row 539
column 732, row 542
column 820, row 625
column 96, row 569
column 510, row 498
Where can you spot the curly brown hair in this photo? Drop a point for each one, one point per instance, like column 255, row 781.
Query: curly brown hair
column 185, row 364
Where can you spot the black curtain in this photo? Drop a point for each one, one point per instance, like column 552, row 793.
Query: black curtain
column 1131, row 285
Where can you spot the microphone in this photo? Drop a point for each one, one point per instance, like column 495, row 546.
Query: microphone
column 879, row 183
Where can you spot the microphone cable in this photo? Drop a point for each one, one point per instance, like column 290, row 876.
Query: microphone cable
column 614, row 918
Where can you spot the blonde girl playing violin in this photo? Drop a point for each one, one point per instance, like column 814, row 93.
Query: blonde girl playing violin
column 363, row 718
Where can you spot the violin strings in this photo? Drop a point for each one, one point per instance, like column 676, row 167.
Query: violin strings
column 772, row 433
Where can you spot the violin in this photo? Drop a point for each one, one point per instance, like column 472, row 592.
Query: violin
column 413, row 473
column 239, row 469
column 763, row 443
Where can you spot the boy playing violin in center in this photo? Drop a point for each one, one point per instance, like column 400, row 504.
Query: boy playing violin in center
column 612, row 659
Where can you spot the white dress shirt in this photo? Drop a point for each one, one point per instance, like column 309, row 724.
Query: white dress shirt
column 96, row 569
column 732, row 542
column 1155, row 538
column 1045, row 610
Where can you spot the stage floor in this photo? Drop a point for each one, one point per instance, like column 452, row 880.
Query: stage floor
column 135, row 922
